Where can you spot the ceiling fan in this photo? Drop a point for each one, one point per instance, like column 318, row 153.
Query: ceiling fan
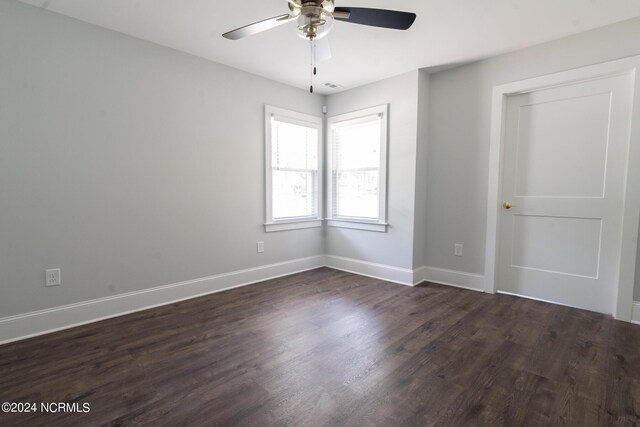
column 315, row 19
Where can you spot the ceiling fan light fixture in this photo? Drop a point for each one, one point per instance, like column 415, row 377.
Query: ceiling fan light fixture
column 314, row 23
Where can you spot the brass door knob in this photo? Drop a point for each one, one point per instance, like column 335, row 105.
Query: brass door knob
column 506, row 205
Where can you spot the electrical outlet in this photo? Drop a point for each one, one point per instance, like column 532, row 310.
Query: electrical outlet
column 53, row 277
column 260, row 247
column 457, row 249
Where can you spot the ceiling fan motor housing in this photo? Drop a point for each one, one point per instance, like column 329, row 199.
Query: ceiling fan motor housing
column 327, row 5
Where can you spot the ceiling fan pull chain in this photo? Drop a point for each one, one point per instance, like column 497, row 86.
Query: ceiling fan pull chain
column 312, row 64
column 314, row 55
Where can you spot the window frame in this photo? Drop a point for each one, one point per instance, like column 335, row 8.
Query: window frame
column 301, row 119
column 380, row 224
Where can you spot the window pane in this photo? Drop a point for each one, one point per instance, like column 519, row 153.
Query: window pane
column 357, row 146
column 293, row 194
column 294, row 146
column 294, row 169
column 356, row 193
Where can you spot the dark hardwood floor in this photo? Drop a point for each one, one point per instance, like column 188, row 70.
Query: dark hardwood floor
column 331, row 348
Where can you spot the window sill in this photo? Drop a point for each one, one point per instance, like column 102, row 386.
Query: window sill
column 292, row 225
column 380, row 227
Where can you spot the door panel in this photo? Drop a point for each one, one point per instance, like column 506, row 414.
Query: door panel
column 557, row 244
column 564, row 176
column 552, row 137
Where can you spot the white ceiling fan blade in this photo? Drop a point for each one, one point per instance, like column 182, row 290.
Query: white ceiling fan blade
column 257, row 27
column 323, row 49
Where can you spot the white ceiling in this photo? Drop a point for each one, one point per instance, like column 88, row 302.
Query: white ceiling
column 445, row 32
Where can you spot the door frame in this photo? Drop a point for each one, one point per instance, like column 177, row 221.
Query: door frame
column 631, row 211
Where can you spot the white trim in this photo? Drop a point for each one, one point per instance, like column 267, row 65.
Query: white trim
column 402, row 276
column 635, row 316
column 632, row 191
column 419, row 275
column 381, row 111
column 292, row 225
column 358, row 117
column 27, row 325
column 358, row 225
column 458, row 279
column 303, row 120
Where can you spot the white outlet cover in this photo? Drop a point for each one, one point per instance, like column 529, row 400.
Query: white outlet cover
column 53, row 277
column 457, row 249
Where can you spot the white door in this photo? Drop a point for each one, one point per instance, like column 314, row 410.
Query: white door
column 564, row 172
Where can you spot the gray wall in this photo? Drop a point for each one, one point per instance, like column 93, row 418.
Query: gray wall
column 395, row 247
column 419, row 223
column 127, row 164
column 459, row 121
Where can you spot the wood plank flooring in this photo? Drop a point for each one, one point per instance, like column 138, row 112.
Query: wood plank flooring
column 329, row 348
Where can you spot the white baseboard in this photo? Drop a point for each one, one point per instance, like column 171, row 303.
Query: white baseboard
column 403, row 276
column 419, row 275
column 27, row 325
column 459, row 279
column 635, row 314
column 41, row 322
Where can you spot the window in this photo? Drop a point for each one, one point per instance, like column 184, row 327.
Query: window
column 357, row 169
column 293, row 159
